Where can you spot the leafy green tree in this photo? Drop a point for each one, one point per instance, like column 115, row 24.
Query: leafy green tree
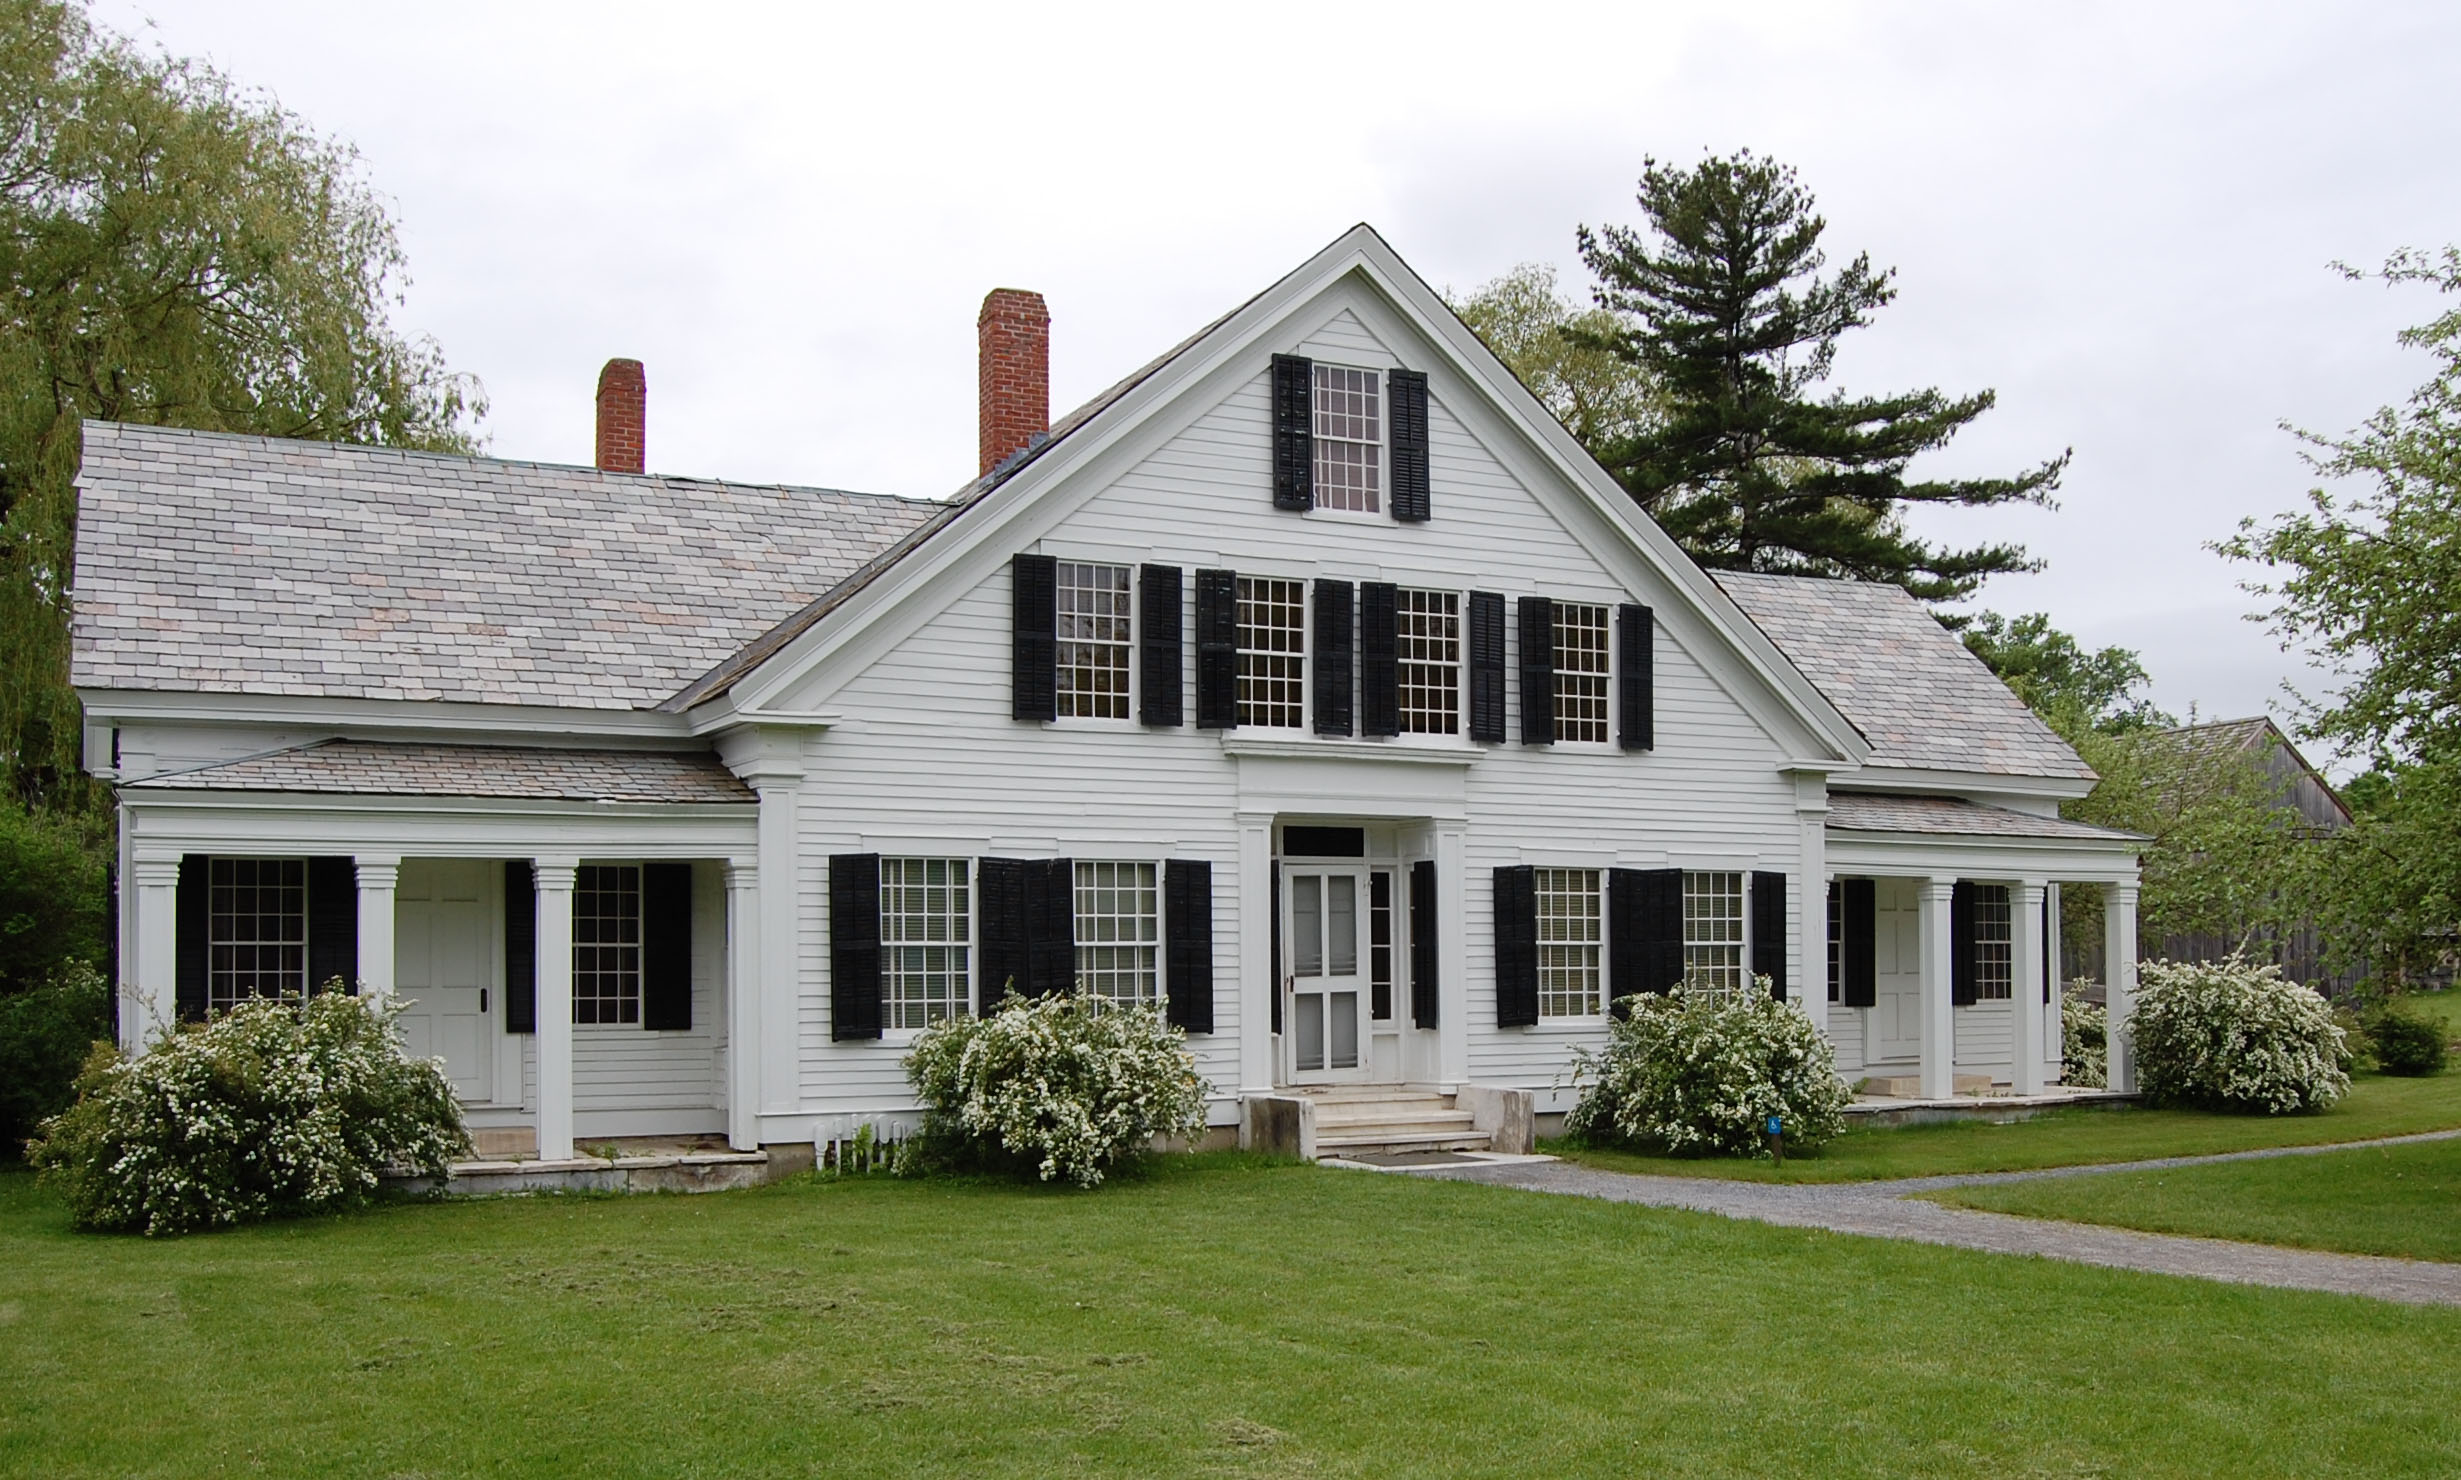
column 1552, row 343
column 175, row 250
column 1721, row 301
column 2054, row 674
column 2370, row 584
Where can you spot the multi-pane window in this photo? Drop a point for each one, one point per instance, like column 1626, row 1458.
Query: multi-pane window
column 925, row 931
column 1380, row 944
column 1349, row 439
column 1837, row 942
column 1713, row 930
column 258, row 940
column 1427, row 641
column 1093, row 640
column 607, row 944
column 1272, row 652
column 1994, row 953
column 1569, row 919
column 1119, row 931
column 1580, row 672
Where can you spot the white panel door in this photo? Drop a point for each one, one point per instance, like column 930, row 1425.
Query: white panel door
column 1897, row 1011
column 444, row 967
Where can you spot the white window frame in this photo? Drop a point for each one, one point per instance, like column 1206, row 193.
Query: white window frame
column 1571, row 943
column 1589, row 688
column 1070, row 702
column 625, row 958
column 1447, row 608
column 1298, row 657
column 1719, row 958
column 1995, row 958
column 1138, row 946
column 1339, row 427
column 224, row 976
column 900, row 950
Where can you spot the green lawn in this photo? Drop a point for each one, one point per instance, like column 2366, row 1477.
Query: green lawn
column 2402, row 1200
column 2377, row 1105
column 1222, row 1317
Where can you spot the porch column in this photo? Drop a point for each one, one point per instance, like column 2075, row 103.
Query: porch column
column 2119, row 964
column 378, row 875
column 1811, row 890
column 2025, row 940
column 743, row 1004
column 1255, row 981
column 770, row 1023
column 1939, row 1058
column 2054, row 1044
column 1452, row 953
column 155, row 968
column 554, row 878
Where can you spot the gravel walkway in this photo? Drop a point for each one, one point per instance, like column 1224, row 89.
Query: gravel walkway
column 1891, row 1210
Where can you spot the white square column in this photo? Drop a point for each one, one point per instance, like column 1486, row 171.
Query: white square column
column 1939, row 1015
column 1256, row 966
column 555, row 878
column 743, row 1003
column 378, row 876
column 1452, row 953
column 2026, row 982
column 2119, row 962
column 1811, row 953
column 153, row 885
column 2054, row 1019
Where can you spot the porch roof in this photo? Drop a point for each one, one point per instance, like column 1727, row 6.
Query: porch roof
column 1892, row 812
column 375, row 768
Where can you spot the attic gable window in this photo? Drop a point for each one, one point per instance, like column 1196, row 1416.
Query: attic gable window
column 1093, row 629
column 1349, row 442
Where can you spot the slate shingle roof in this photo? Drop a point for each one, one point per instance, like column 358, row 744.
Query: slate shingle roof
column 371, row 768
column 208, row 562
column 1865, row 811
column 1902, row 679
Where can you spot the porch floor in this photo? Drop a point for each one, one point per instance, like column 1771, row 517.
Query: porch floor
column 608, row 1164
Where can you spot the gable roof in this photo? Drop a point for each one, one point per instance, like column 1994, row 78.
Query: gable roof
column 1912, row 689
column 1887, row 812
column 375, row 768
column 210, row 562
column 2305, row 789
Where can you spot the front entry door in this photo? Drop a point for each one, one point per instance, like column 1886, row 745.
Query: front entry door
column 1897, row 999
column 1324, row 1013
column 444, row 955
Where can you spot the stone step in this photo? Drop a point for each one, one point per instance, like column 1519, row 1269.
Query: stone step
column 1391, row 1142
column 1359, row 1111
column 1910, row 1086
column 1412, row 1125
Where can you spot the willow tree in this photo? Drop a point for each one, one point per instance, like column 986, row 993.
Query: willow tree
column 179, row 251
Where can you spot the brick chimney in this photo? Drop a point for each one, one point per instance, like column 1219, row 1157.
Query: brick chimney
column 623, row 414
column 1014, row 335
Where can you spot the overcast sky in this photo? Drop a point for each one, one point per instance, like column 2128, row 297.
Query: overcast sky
column 2117, row 216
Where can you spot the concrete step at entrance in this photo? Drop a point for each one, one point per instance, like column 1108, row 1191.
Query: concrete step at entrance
column 1358, row 1111
column 1364, row 1119
column 1392, row 1143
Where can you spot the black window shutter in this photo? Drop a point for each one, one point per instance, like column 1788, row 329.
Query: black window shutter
column 192, row 948
column 2042, row 931
column 1187, row 935
column 1424, row 980
column 333, row 923
column 1661, row 927
column 1217, row 649
column 1160, row 670
column 1379, row 670
column 1001, row 963
column 1627, row 948
column 666, row 946
column 1961, row 971
column 854, row 946
column 1537, row 671
column 1294, row 433
column 1033, row 638
column 520, row 947
column 1769, row 930
column 1516, row 946
column 1486, row 654
column 1333, row 648
column 1858, row 942
column 1408, row 417
column 1051, row 927
column 1273, row 913
column 1636, row 702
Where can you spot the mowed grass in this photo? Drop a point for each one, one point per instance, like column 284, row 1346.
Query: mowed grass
column 2400, row 1200
column 2377, row 1105
column 1220, row 1317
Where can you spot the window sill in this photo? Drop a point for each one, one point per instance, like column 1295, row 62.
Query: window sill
column 1329, row 749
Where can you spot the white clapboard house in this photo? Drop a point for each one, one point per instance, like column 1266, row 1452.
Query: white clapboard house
column 1310, row 681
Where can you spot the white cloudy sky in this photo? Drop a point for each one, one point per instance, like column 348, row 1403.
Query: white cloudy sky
column 2117, row 215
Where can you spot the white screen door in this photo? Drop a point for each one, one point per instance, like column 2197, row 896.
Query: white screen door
column 1324, row 1032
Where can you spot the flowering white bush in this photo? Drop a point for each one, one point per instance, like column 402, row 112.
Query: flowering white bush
column 1069, row 1084
column 2233, row 1035
column 2084, row 1039
column 272, row 1108
column 1700, row 1071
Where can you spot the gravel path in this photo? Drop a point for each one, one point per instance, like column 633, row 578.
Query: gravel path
column 1890, row 1210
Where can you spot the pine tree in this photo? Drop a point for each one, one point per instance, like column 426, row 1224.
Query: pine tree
column 1722, row 303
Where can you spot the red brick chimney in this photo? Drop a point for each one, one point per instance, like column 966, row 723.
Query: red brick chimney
column 623, row 414
column 1014, row 334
